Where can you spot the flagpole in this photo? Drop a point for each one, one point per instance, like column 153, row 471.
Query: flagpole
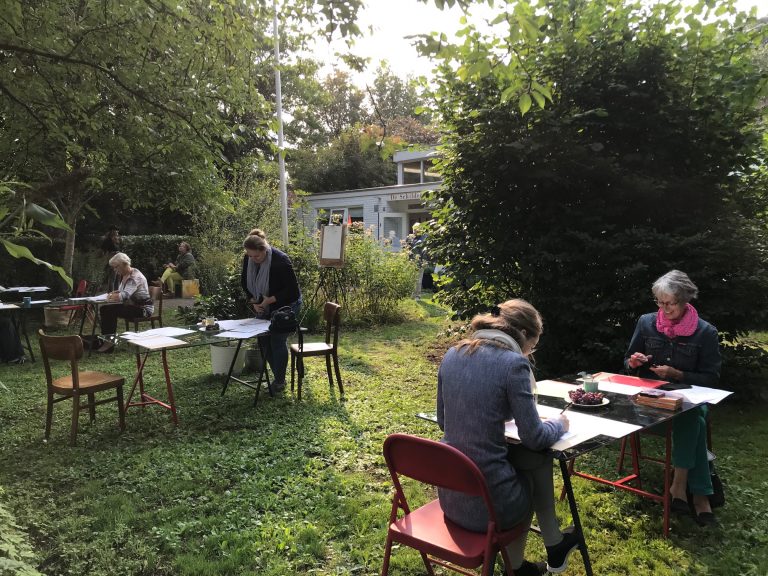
column 281, row 150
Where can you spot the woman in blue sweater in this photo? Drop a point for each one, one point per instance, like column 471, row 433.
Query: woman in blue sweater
column 482, row 382
column 270, row 283
column 674, row 344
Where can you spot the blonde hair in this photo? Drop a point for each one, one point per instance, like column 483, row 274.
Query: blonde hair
column 515, row 317
column 256, row 240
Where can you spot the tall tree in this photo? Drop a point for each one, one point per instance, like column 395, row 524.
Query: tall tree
column 148, row 99
column 591, row 146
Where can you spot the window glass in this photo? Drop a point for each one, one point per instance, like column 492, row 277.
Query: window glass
column 412, row 172
column 430, row 174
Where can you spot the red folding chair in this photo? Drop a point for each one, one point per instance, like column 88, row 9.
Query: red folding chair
column 75, row 309
column 426, row 529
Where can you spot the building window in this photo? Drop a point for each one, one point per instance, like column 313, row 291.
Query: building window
column 430, row 174
column 419, row 172
column 339, row 216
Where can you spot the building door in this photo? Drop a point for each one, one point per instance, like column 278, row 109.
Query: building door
column 393, row 227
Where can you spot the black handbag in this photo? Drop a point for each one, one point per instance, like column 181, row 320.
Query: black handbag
column 283, row 320
column 717, row 498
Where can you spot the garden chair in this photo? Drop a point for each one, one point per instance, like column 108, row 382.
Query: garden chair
column 75, row 310
column 156, row 317
column 329, row 348
column 426, row 529
column 77, row 383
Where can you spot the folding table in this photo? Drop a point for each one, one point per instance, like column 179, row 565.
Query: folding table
column 163, row 339
column 593, row 428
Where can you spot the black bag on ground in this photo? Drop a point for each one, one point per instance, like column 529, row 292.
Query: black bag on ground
column 10, row 344
column 283, row 320
column 717, row 498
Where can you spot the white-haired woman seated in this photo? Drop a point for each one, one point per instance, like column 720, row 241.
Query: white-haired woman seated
column 131, row 299
column 674, row 344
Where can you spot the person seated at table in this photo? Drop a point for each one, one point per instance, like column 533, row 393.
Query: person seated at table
column 270, row 283
column 11, row 350
column 482, row 382
column 183, row 269
column 675, row 345
column 131, row 299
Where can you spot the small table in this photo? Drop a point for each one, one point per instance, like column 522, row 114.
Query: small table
column 164, row 339
column 18, row 315
column 594, row 428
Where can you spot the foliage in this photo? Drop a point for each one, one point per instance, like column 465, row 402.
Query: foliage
column 354, row 160
column 373, row 279
column 631, row 168
column 225, row 301
column 18, row 219
column 294, row 487
column 149, row 101
column 16, row 555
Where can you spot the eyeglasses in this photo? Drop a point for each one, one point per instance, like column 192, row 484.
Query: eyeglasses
column 662, row 304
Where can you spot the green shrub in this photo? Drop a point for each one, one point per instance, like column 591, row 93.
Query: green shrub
column 373, row 279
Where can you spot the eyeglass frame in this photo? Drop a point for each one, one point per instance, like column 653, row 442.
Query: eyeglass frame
column 662, row 304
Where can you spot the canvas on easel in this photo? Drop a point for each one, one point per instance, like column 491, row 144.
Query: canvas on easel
column 332, row 241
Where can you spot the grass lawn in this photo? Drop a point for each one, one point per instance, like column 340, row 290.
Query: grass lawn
column 300, row 487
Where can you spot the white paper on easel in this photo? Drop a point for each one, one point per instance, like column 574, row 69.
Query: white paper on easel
column 332, row 239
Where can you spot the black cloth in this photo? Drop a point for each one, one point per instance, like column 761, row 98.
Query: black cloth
column 110, row 313
column 10, row 343
column 283, row 284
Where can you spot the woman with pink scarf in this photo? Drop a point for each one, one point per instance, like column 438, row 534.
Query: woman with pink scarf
column 674, row 344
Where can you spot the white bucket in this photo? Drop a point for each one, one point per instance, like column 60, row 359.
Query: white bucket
column 221, row 358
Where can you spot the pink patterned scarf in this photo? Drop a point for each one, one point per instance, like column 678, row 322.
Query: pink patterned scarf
column 683, row 327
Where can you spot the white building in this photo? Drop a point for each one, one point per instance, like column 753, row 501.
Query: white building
column 390, row 210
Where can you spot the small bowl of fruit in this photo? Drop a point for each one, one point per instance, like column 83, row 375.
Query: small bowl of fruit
column 587, row 399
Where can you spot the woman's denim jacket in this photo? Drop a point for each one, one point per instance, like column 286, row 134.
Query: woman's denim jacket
column 697, row 355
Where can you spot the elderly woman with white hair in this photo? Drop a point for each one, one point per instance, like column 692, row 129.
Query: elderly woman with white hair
column 674, row 344
column 130, row 300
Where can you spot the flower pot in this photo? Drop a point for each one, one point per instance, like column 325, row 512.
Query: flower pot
column 221, row 358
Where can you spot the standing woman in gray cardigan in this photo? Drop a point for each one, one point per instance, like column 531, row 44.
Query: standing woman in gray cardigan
column 482, row 382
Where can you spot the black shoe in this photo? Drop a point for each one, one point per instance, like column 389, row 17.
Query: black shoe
column 557, row 555
column 706, row 519
column 680, row 506
column 531, row 569
column 19, row 360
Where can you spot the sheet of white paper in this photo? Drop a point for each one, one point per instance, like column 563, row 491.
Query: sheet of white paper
column 583, row 423
column 552, row 388
column 332, row 237
column 625, row 389
column 157, row 342
column 7, row 306
column 167, row 331
column 242, row 334
column 40, row 301
column 700, row 394
column 99, row 298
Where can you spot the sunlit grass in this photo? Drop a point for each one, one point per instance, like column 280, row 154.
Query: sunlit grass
column 300, row 487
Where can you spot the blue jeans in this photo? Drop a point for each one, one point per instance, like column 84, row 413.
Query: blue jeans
column 276, row 346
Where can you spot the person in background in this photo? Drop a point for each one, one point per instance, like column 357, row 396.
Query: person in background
column 183, row 269
column 482, row 382
column 130, row 300
column 675, row 345
column 110, row 245
column 270, row 283
column 414, row 242
column 11, row 351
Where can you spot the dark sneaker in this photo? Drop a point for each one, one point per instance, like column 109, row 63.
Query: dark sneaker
column 19, row 360
column 557, row 555
column 531, row 569
column 278, row 387
column 706, row 519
